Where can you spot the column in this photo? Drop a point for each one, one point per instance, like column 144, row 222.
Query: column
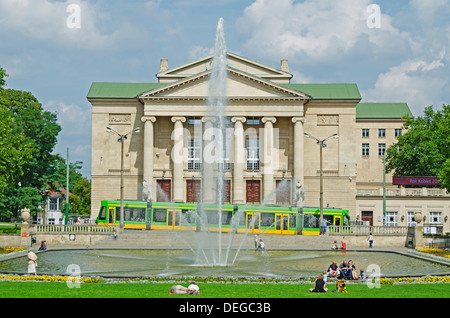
column 177, row 159
column 268, row 160
column 239, row 160
column 298, row 171
column 148, row 184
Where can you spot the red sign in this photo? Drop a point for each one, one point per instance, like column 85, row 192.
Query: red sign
column 423, row 181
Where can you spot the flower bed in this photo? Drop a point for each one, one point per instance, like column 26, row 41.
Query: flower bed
column 436, row 251
column 6, row 250
column 47, row 278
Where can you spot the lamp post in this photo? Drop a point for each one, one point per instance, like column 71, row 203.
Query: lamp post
column 121, row 139
column 321, row 144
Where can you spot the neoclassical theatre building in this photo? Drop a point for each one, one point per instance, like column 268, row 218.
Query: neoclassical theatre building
column 163, row 160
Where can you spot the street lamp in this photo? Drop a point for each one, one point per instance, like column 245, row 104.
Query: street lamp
column 321, row 144
column 121, row 139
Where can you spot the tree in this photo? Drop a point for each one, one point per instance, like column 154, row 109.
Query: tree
column 14, row 150
column 424, row 150
column 28, row 136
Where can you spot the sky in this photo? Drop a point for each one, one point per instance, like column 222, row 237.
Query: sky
column 394, row 50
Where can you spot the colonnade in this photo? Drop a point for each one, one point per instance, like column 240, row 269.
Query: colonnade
column 239, row 160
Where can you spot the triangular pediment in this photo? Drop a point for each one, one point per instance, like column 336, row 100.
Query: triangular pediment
column 233, row 60
column 240, row 85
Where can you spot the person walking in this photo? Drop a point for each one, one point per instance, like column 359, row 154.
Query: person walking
column 370, row 239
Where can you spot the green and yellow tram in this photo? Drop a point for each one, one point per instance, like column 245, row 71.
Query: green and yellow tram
column 238, row 218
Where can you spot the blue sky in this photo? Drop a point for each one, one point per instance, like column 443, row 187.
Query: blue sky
column 405, row 59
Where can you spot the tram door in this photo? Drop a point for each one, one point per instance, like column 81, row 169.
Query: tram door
column 337, row 220
column 173, row 219
column 281, row 223
column 111, row 215
column 253, row 222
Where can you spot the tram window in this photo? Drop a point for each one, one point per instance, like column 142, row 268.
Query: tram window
column 159, row 215
column 226, row 217
column 311, row 221
column 239, row 218
column 267, row 219
column 134, row 214
column 292, row 221
column 102, row 214
column 188, row 216
column 329, row 219
column 212, row 217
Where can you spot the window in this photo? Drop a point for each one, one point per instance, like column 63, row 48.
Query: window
column 53, row 204
column 365, row 132
column 391, row 219
column 194, row 154
column 365, row 150
column 411, row 221
column 382, row 133
column 381, row 149
column 159, row 215
column 102, row 214
column 252, row 154
column 194, row 120
column 398, row 132
column 435, row 218
column 253, row 121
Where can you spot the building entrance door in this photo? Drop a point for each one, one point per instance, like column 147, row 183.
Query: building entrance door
column 253, row 191
column 163, row 191
column 367, row 216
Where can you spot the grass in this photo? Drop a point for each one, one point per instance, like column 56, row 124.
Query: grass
column 214, row 290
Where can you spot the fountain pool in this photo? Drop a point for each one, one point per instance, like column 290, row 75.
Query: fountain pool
column 249, row 263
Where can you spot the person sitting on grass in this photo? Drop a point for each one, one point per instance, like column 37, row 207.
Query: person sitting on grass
column 319, row 285
column 192, row 289
column 333, row 269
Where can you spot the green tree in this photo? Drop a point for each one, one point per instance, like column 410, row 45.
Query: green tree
column 28, row 137
column 80, row 200
column 14, row 150
column 425, row 148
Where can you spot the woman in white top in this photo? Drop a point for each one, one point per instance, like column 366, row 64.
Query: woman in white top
column 31, row 262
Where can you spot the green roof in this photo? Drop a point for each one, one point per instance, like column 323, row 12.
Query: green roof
column 120, row 90
column 327, row 91
column 382, row 110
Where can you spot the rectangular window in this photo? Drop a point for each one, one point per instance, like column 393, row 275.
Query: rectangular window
column 253, row 121
column 365, row 150
column 53, row 204
column 194, row 153
column 391, row 219
column 398, row 133
column 381, row 149
column 252, row 154
column 411, row 221
column 365, row 133
column 159, row 215
column 382, row 133
column 435, row 218
column 194, row 120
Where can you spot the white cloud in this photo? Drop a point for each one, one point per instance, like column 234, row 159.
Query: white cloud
column 46, row 21
column 418, row 82
column 317, row 30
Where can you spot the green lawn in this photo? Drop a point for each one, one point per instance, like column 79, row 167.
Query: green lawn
column 214, row 290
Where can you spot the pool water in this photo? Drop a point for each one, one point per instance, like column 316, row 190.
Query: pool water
column 248, row 263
